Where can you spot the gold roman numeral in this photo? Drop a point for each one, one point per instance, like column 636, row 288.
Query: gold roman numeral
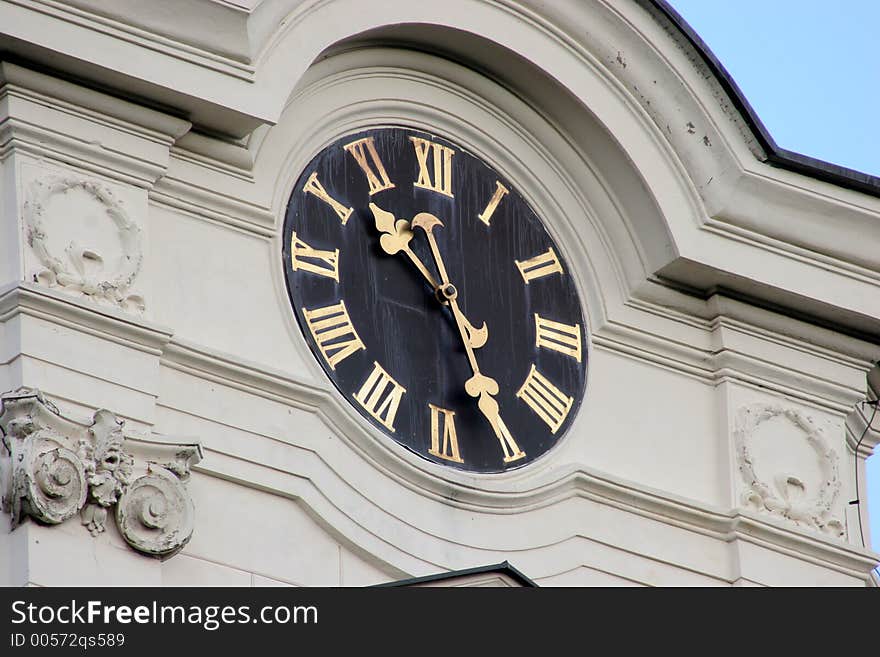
column 512, row 452
column 560, row 337
column 545, row 399
column 449, row 449
column 313, row 186
column 380, row 396
column 442, row 166
column 364, row 152
column 541, row 265
column 500, row 191
column 330, row 259
column 333, row 332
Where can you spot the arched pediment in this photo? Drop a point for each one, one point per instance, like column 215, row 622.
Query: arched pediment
column 628, row 67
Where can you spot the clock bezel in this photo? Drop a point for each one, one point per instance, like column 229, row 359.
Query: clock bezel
column 578, row 395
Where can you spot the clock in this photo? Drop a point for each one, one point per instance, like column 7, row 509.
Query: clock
column 434, row 299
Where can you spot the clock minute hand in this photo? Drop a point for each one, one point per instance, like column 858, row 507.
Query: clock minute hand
column 446, row 292
column 479, row 385
column 484, row 388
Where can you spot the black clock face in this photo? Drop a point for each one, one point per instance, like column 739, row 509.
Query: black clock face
column 435, row 300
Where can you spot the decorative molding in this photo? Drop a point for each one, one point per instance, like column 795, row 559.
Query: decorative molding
column 788, row 495
column 84, row 271
column 61, row 467
column 108, row 323
column 102, row 108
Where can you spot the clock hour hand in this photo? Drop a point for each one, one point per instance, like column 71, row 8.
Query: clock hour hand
column 396, row 235
column 479, row 386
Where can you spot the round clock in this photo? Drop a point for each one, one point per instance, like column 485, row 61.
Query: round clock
column 434, row 299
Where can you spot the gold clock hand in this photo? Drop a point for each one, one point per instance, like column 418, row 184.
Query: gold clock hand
column 479, row 385
column 396, row 237
column 446, row 292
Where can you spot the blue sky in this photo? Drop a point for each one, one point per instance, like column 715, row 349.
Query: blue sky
column 811, row 71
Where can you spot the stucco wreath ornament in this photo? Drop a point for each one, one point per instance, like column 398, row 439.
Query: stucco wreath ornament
column 82, row 269
column 787, row 495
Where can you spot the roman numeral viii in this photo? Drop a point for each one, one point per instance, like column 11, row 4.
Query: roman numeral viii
column 441, row 180
column 364, row 153
column 545, row 399
column 332, row 330
column 559, row 337
column 380, row 396
column 449, row 449
column 304, row 257
column 541, row 265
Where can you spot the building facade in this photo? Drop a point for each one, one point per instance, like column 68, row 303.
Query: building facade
column 178, row 177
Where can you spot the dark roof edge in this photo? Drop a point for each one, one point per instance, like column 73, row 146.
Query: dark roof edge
column 503, row 567
column 780, row 157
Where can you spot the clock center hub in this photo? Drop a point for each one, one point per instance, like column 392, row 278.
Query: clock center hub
column 446, row 292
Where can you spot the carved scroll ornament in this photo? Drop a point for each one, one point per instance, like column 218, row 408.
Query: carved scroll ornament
column 786, row 494
column 57, row 467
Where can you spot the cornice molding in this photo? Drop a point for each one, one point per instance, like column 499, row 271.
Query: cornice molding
column 727, row 526
column 48, row 117
column 105, row 322
column 114, row 111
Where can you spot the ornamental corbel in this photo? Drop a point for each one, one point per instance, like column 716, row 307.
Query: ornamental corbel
column 57, row 467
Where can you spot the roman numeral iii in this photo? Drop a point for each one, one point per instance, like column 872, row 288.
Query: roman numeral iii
column 541, row 265
column 331, row 328
column 314, row 186
column 449, row 448
column 305, row 258
column 364, row 152
column 441, row 161
column 559, row 337
column 380, row 396
column 550, row 404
